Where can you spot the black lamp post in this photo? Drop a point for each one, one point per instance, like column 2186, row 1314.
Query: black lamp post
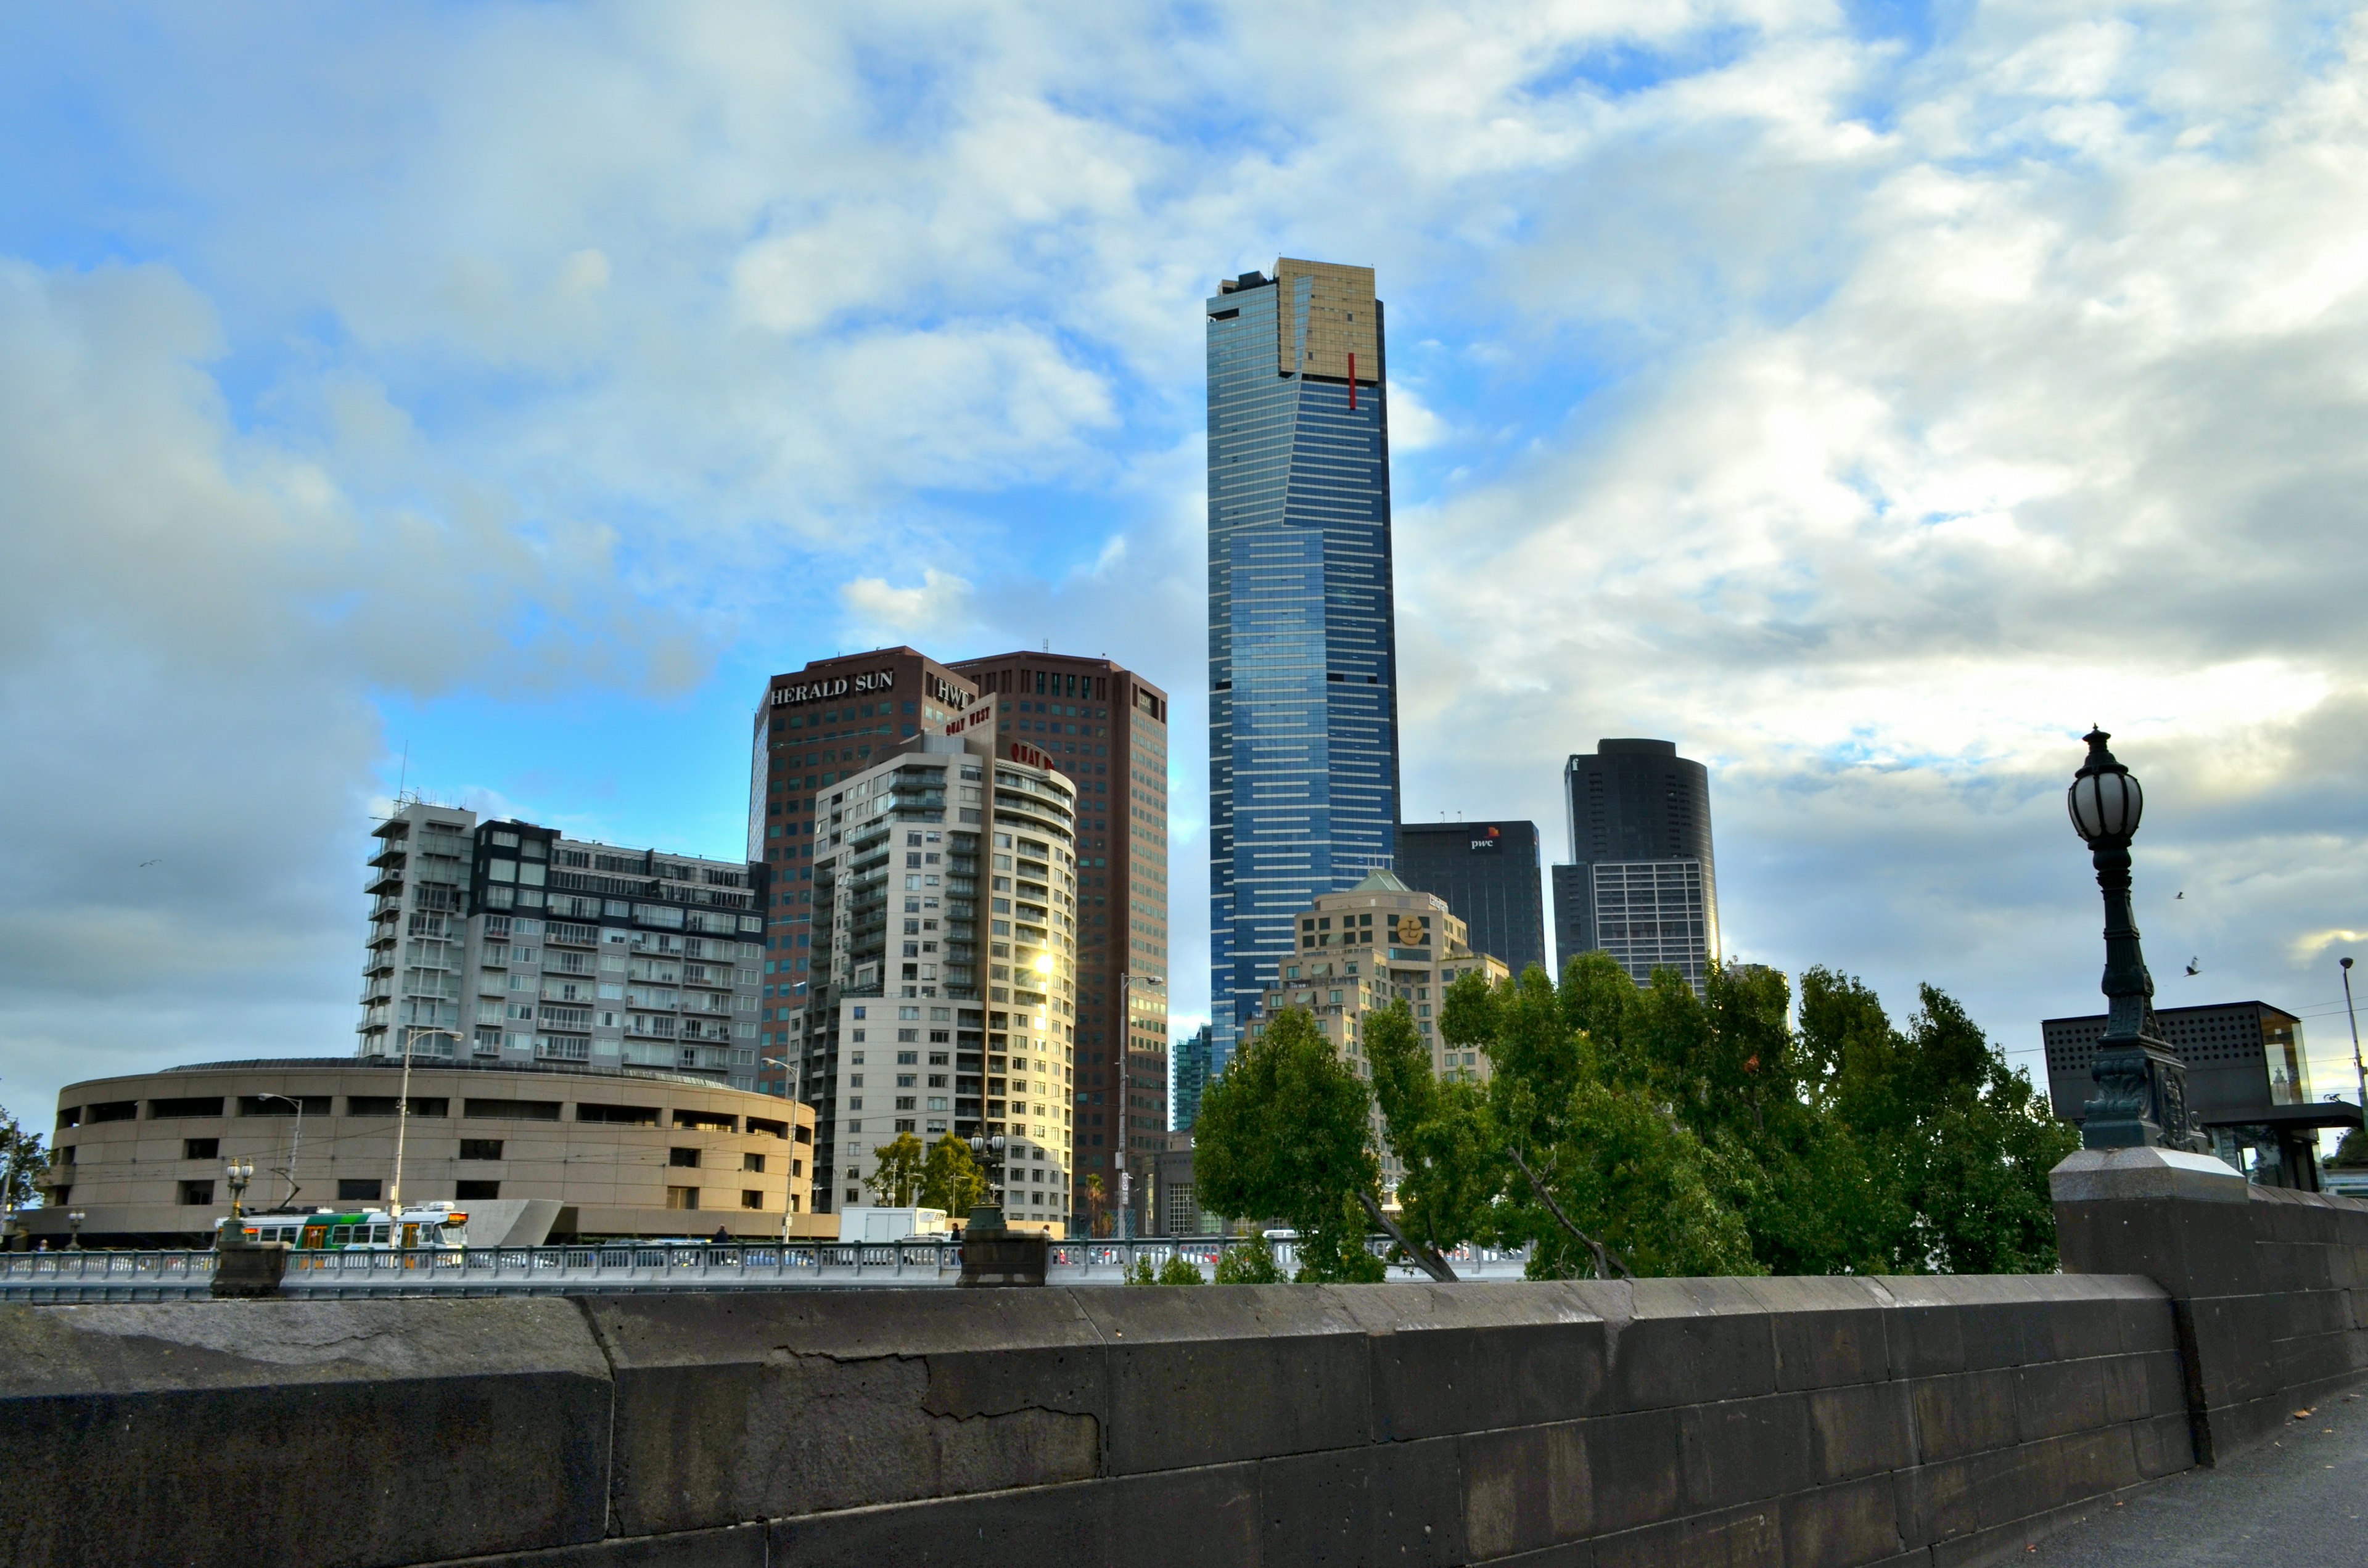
column 2141, row 1084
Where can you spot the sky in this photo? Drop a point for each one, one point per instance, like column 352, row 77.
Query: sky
column 485, row 399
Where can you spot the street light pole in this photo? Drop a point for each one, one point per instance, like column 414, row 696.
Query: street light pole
column 2141, row 1083
column 1126, row 983
column 792, row 1098
column 402, row 1113
column 296, row 1145
column 2356, row 1064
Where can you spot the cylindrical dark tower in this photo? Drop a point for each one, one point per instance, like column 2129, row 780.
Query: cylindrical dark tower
column 1642, row 883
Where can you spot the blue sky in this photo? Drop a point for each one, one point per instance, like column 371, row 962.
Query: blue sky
column 1866, row 397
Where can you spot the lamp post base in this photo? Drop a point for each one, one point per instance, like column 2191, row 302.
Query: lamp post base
column 249, row 1272
column 2141, row 1100
column 1000, row 1258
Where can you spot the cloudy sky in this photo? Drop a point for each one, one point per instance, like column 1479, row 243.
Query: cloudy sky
column 1867, row 396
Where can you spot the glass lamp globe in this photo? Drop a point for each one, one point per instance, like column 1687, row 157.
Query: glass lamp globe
column 2105, row 801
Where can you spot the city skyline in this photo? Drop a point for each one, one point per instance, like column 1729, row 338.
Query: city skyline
column 1868, row 403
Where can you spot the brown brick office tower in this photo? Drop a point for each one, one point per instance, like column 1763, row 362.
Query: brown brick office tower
column 1107, row 728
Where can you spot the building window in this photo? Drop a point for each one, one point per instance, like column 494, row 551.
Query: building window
column 468, row 1189
column 683, row 1159
column 751, row 1199
column 682, row 1198
column 481, row 1149
column 351, row 1189
column 752, row 1162
column 196, row 1194
column 191, row 1149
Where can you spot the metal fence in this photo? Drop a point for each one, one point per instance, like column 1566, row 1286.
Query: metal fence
column 96, row 1276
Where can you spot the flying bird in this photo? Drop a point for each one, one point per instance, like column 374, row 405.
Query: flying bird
column 145, row 864
column 2182, row 893
column 2194, row 966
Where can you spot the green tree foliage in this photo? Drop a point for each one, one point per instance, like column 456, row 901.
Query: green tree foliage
column 1441, row 1135
column 21, row 1161
column 1283, row 1134
column 1140, row 1272
column 1249, row 1261
column 1179, row 1270
column 1705, row 1134
column 2352, row 1151
column 1628, row 1130
column 897, row 1176
column 951, row 1178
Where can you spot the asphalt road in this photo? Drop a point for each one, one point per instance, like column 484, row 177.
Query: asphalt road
column 2300, row 1502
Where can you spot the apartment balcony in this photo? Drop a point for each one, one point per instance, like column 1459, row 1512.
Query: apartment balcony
column 386, row 884
column 392, row 853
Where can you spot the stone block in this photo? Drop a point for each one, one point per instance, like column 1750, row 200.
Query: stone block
column 1449, row 1358
column 1935, row 1502
column 1683, row 1341
column 298, row 1432
column 1827, row 1333
column 1843, row 1527
column 2095, row 1462
column 1740, row 1451
column 1230, row 1372
column 2154, row 1175
column 1860, row 1430
column 2063, row 1396
column 771, row 1404
column 1415, row 1516
column 1526, row 1488
column 1008, row 1529
column 2163, row 1445
column 2074, row 1329
column 1188, row 1518
column 1969, row 1414
column 1736, row 1538
column 738, row 1546
column 1315, row 1509
column 2008, row 1484
column 1632, row 1467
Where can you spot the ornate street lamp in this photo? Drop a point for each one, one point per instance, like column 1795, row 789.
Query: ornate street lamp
column 2141, row 1084
column 74, row 1218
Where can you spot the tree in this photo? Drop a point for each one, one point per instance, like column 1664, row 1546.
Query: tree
column 898, row 1175
column 1285, row 1133
column 1440, row 1134
column 1094, row 1191
column 1179, row 1270
column 21, row 1162
column 1249, row 1261
column 951, row 1179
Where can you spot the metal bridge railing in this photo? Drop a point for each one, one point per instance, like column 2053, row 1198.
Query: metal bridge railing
column 98, row 1275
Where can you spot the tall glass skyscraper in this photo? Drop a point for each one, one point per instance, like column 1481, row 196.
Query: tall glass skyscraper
column 1303, row 650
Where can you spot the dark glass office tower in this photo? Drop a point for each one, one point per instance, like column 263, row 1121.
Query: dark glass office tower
column 1488, row 873
column 1640, row 886
column 1303, row 654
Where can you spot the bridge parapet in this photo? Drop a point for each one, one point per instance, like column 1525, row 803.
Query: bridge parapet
column 1784, row 1421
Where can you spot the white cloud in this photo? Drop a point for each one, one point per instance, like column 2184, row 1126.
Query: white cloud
column 940, row 605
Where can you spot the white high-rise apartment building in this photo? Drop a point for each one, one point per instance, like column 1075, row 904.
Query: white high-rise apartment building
column 504, row 942
column 940, row 865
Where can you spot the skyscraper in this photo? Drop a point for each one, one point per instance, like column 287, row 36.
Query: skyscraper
column 1302, row 650
column 971, row 962
column 1192, row 1077
column 1488, row 873
column 1106, row 727
column 1642, row 884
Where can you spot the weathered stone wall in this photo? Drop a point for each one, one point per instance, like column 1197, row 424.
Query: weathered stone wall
column 2268, row 1287
column 1797, row 1422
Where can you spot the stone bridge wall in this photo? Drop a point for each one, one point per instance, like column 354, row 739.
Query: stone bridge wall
column 1807, row 1423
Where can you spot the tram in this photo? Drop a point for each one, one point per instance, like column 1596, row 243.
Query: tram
column 339, row 1229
